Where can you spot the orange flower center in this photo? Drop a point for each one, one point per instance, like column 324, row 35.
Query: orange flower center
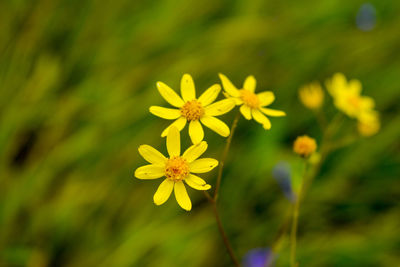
column 354, row 101
column 250, row 99
column 192, row 110
column 176, row 169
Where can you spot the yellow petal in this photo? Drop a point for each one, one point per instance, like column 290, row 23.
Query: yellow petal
column 187, row 88
column 339, row 78
column 163, row 192
column 173, row 142
column 179, row 123
column 273, row 112
column 152, row 155
column 220, row 107
column 250, row 83
column 203, row 165
column 228, row 86
column 210, row 95
column 266, row 98
column 367, row 116
column 165, row 113
column 196, row 132
column 195, row 151
column 182, row 196
column 149, row 172
column 169, row 95
column 196, row 179
column 246, row 112
column 355, row 86
column 336, row 84
column 195, row 185
column 367, row 103
column 261, row 118
column 216, row 125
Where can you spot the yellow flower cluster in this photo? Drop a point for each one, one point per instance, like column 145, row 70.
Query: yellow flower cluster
column 197, row 111
column 346, row 98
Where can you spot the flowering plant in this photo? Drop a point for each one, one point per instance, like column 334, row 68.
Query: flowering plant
column 182, row 168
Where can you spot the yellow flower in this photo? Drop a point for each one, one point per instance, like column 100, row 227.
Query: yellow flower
column 311, row 95
column 346, row 96
column 252, row 105
column 304, row 146
column 177, row 169
column 368, row 124
column 193, row 110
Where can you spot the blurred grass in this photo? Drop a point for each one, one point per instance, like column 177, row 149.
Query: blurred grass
column 76, row 81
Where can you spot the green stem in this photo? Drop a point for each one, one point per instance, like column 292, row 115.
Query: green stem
column 213, row 199
column 295, row 217
column 327, row 132
column 223, row 234
column 293, row 239
column 225, row 154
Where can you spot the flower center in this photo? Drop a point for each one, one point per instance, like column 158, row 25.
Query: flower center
column 176, row 169
column 354, row 101
column 192, row 110
column 249, row 98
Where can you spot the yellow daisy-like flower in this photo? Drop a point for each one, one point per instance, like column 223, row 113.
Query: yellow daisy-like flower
column 252, row 105
column 312, row 95
column 347, row 96
column 193, row 110
column 177, row 169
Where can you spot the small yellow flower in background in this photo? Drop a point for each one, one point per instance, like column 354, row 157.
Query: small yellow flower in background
column 304, row 146
column 252, row 105
column 193, row 110
column 368, row 124
column 347, row 96
column 312, row 95
column 176, row 169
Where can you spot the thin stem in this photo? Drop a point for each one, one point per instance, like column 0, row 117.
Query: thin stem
column 293, row 239
column 208, row 196
column 296, row 208
column 328, row 130
column 223, row 234
column 213, row 199
column 225, row 154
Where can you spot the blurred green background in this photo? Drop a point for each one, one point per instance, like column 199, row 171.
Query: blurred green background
column 77, row 79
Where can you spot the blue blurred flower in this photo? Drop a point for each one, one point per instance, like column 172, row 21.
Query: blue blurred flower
column 281, row 173
column 366, row 17
column 259, row 257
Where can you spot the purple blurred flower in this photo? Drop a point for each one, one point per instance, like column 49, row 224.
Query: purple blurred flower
column 259, row 257
column 281, row 173
column 366, row 17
